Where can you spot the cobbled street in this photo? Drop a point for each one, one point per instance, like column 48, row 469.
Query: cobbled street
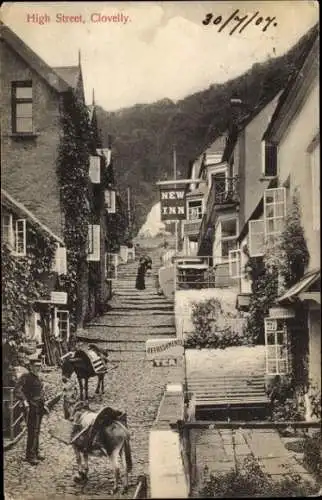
column 132, row 385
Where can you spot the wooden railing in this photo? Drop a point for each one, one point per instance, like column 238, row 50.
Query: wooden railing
column 12, row 415
column 222, row 192
column 141, row 490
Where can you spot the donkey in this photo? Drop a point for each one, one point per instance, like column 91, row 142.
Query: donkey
column 78, row 361
column 103, row 431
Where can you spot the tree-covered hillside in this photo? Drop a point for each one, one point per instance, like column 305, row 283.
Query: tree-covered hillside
column 144, row 134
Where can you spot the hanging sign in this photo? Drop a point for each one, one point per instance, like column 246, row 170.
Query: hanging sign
column 173, row 204
column 164, row 351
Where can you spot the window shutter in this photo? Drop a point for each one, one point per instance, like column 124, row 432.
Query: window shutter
column 95, row 169
column 7, row 229
column 110, row 204
column 270, row 160
column 20, row 237
column 111, row 263
column 274, row 211
column 60, row 263
column 235, row 263
column 95, row 234
column 256, row 237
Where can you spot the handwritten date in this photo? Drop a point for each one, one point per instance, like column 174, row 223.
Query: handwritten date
column 239, row 21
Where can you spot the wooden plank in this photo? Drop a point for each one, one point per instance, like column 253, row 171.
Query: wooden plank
column 251, row 424
column 223, row 392
column 250, row 379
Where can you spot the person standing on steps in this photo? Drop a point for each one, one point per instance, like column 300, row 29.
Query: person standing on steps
column 29, row 390
column 145, row 263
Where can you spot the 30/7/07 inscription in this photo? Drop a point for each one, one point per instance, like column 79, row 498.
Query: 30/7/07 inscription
column 237, row 21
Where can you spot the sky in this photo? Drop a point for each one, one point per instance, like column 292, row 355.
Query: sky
column 155, row 50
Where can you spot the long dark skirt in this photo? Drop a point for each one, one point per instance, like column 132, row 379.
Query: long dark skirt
column 140, row 278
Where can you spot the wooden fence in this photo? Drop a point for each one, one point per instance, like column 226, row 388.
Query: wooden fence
column 141, row 490
column 12, row 415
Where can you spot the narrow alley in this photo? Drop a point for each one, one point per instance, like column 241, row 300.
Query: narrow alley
column 132, row 385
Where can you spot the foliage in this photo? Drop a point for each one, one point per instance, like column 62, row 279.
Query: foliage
column 284, row 263
column 315, row 400
column 264, row 293
column 72, row 170
column 312, row 454
column 250, row 481
column 287, row 399
column 212, row 327
column 145, row 133
column 293, row 246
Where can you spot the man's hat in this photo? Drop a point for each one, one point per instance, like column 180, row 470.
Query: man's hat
column 33, row 358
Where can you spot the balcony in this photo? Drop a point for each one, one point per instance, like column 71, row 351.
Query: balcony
column 223, row 192
column 191, row 227
column 223, row 195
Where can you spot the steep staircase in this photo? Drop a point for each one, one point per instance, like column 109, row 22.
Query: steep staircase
column 134, row 315
column 227, row 383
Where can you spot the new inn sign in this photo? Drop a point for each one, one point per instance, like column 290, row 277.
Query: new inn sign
column 173, row 204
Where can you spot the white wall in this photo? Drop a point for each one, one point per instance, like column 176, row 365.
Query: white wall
column 294, row 161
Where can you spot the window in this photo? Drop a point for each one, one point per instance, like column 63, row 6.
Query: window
column 22, row 107
column 256, row 238
column 225, row 240
column 7, row 229
column 14, row 234
column 269, row 159
column 95, row 169
column 235, row 270
column 276, row 346
column 61, row 327
column 111, row 263
column 110, row 205
column 195, row 210
column 315, row 175
column 274, row 211
column 60, row 261
column 94, row 242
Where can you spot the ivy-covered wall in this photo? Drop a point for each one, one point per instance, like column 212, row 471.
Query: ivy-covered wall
column 22, row 285
column 72, row 170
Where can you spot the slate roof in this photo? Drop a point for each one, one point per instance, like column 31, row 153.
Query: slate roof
column 18, row 208
column 70, row 74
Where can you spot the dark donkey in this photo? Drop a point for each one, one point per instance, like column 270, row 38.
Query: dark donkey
column 86, row 363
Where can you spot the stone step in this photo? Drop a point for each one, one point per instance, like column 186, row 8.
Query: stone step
column 118, row 312
column 129, row 330
column 147, row 304
column 132, row 307
column 120, row 322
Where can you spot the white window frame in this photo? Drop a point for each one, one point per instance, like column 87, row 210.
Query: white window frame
column 22, row 235
column 235, row 262
column 315, row 176
column 60, row 260
column 94, row 242
column 57, row 313
column 110, row 201
column 276, row 354
column 191, row 210
column 275, row 193
column 263, row 154
column 95, row 169
column 253, row 233
column 114, row 260
column 218, row 256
